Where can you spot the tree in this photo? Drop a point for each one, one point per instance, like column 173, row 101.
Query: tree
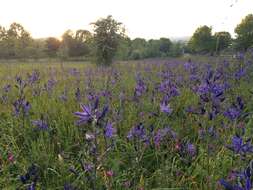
column 165, row 46
column 223, row 40
column 202, row 40
column 15, row 42
column 81, row 43
column 52, row 46
column 124, row 49
column 153, row 49
column 107, row 34
column 75, row 44
column 138, row 48
column 244, row 32
column 176, row 49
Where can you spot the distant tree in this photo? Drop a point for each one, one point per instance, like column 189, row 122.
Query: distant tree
column 202, row 40
column 38, row 49
column 223, row 40
column 124, row 49
column 81, row 43
column 176, row 49
column 3, row 43
column 165, row 45
column 107, row 34
column 153, row 49
column 66, row 44
column 52, row 46
column 75, row 44
column 15, row 42
column 244, row 33
column 138, row 48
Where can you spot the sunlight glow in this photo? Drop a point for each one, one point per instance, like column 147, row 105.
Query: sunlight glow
column 142, row 18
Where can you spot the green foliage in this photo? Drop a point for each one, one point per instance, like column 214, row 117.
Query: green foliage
column 140, row 48
column 124, row 49
column 223, row 40
column 244, row 33
column 176, row 49
column 15, row 42
column 75, row 44
column 165, row 46
column 202, row 40
column 52, row 46
column 107, row 34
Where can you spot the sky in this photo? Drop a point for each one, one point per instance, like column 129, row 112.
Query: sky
column 142, row 18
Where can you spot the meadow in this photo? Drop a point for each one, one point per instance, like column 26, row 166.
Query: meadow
column 149, row 124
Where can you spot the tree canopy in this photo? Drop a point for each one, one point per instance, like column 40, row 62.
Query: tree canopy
column 107, row 35
column 244, row 32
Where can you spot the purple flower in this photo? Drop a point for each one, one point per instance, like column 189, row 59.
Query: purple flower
column 88, row 167
column 217, row 90
column 240, row 73
column 91, row 113
column 109, row 131
column 161, row 134
column 34, row 77
column 21, row 106
column 78, row 94
column 50, row 84
column 203, row 89
column 238, row 146
column 138, row 132
column 191, row 149
column 7, row 88
column 69, row 187
column 240, row 103
column 242, row 180
column 85, row 116
column 40, row 124
column 31, row 177
column 232, row 113
column 165, row 108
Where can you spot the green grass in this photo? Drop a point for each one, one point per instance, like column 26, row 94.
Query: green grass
column 63, row 145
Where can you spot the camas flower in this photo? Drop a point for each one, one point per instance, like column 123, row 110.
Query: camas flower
column 165, row 108
column 109, row 131
column 232, row 113
column 31, row 177
column 40, row 124
column 238, row 146
column 91, row 113
column 85, row 115
column 140, row 133
column 243, row 181
column 21, row 106
column 191, row 149
column 161, row 134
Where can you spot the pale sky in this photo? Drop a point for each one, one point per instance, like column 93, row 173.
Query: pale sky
column 142, row 18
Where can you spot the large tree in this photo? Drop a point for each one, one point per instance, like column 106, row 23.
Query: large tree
column 52, row 46
column 107, row 34
column 15, row 42
column 165, row 45
column 223, row 40
column 75, row 44
column 202, row 40
column 244, row 33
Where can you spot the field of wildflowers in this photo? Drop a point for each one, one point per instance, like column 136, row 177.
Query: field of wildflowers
column 161, row 125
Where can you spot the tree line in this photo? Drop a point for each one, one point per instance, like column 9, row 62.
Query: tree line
column 108, row 41
column 203, row 41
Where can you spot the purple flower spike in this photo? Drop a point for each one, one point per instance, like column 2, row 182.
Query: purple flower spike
column 109, row 131
column 165, row 108
column 40, row 124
